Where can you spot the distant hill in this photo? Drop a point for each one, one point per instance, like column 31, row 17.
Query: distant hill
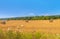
column 33, row 18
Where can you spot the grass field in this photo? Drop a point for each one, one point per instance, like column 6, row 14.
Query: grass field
column 34, row 29
column 36, row 35
column 34, row 25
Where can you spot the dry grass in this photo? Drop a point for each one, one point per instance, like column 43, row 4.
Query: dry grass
column 34, row 25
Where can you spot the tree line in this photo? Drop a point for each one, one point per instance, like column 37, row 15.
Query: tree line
column 33, row 18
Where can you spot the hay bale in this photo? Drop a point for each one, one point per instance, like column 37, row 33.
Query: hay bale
column 27, row 20
column 51, row 20
column 3, row 22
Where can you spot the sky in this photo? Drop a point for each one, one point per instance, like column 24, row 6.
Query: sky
column 20, row 8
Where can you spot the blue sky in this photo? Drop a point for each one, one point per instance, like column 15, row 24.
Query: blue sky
column 15, row 8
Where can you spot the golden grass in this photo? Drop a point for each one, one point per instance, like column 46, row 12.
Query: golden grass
column 34, row 25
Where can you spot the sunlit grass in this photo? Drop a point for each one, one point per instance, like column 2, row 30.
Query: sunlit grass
column 19, row 35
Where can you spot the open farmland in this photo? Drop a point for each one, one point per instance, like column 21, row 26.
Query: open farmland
column 34, row 25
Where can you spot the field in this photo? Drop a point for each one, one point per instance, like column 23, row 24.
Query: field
column 33, row 25
column 33, row 29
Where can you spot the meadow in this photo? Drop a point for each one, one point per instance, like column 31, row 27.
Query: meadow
column 30, row 29
column 34, row 35
column 33, row 25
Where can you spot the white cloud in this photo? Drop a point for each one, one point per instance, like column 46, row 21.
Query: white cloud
column 31, row 14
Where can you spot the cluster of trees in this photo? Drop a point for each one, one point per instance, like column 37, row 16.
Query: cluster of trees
column 33, row 18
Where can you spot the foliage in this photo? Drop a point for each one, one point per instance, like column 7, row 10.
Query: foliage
column 33, row 18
